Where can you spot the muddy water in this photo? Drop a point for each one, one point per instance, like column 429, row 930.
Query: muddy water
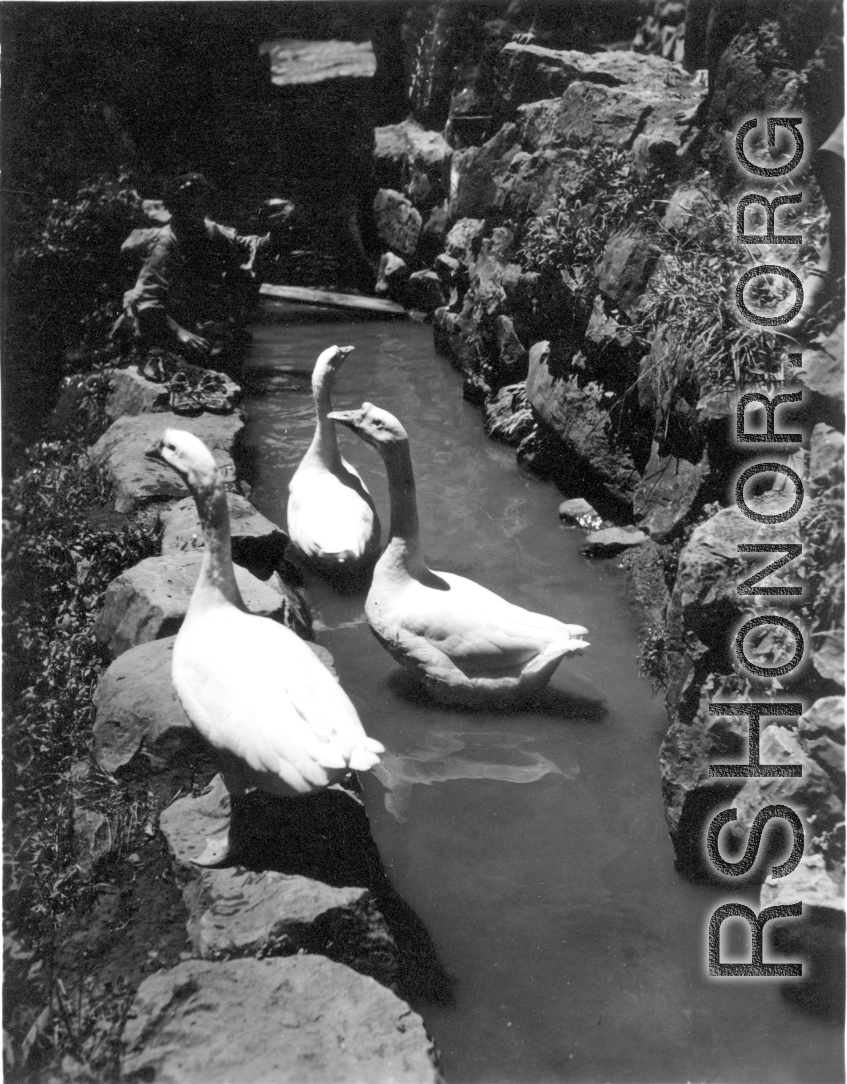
column 533, row 845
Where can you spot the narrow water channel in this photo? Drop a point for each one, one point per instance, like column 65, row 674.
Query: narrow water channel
column 532, row 845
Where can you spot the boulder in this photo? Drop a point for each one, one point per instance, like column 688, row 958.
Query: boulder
column 512, row 356
column 812, row 794
column 822, row 369
column 131, row 393
column 625, row 268
column 588, row 114
column 695, row 740
column 257, row 543
column 149, row 601
column 688, row 210
column 136, row 704
column 477, row 174
column 585, row 431
column 425, row 291
column 434, row 232
column 667, row 492
column 529, row 73
column 397, row 221
column 137, row 481
column 262, row 912
column 577, row 510
column 610, row 541
column 397, row 145
column 277, row 1021
column 811, row 884
column 705, row 603
column 534, row 183
column 393, row 278
column 461, row 240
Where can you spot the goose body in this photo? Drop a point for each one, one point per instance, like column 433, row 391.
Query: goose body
column 464, row 642
column 332, row 520
column 274, row 714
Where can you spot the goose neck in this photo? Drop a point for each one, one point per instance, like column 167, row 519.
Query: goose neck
column 404, row 544
column 324, row 443
column 217, row 575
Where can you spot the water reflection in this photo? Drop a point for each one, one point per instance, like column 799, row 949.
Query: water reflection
column 436, row 762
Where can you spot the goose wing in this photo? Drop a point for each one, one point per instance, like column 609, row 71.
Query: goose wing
column 478, row 629
column 252, row 687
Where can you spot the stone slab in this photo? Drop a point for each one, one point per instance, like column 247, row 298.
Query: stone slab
column 137, row 481
column 150, row 600
column 299, row 1020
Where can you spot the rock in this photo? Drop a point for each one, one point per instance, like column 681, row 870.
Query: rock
column 150, row 600
column 822, row 369
column 408, row 142
column 588, row 115
column 393, row 279
column 577, row 510
column 705, row 601
column 92, row 839
column 507, row 415
column 625, row 269
column 667, row 492
column 814, row 792
column 603, row 329
column 136, row 481
column 825, row 716
column 137, row 704
column 461, row 239
column 688, row 210
column 477, row 174
column 694, row 740
column 397, row 221
column 279, row 1021
column 529, row 73
column 573, row 415
column 434, row 232
column 493, row 277
column 131, row 393
column 810, row 884
column 513, row 359
column 612, row 540
column 534, row 183
column 425, row 291
column 257, row 543
column 826, row 463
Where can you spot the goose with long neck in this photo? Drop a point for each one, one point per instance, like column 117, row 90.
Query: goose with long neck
column 465, row 643
column 332, row 520
column 276, row 718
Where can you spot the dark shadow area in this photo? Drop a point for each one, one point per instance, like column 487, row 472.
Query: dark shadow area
column 327, row 837
column 552, row 702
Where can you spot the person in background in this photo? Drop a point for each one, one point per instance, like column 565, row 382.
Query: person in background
column 197, row 277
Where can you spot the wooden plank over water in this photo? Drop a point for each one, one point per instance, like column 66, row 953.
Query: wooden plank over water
column 307, row 296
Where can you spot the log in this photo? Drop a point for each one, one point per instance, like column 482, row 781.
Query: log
column 307, row 296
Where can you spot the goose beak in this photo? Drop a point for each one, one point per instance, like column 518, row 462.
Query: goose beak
column 154, row 452
column 351, row 418
column 345, row 350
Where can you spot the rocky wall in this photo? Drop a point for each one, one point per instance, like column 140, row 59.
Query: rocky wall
column 580, row 288
column 297, row 960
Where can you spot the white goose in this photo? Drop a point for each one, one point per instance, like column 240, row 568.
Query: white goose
column 331, row 516
column 277, row 718
column 465, row 643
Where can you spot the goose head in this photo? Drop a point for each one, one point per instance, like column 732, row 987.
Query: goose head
column 331, row 360
column 188, row 456
column 375, row 426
